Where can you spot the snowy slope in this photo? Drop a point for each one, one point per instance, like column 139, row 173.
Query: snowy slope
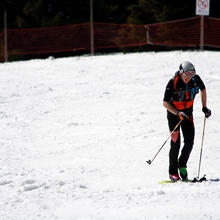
column 76, row 133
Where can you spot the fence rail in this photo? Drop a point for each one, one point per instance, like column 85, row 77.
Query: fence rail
column 185, row 33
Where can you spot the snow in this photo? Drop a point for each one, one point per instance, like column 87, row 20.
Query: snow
column 76, row 133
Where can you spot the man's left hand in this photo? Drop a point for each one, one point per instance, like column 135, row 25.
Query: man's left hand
column 207, row 112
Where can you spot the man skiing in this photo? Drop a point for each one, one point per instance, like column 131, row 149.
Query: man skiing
column 178, row 100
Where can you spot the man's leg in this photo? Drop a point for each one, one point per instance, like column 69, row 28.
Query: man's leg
column 188, row 131
column 174, row 143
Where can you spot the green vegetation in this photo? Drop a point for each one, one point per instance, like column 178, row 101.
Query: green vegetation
column 46, row 13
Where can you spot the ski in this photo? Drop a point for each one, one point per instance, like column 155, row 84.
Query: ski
column 195, row 180
column 179, row 181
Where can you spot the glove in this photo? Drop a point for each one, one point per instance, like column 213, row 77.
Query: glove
column 183, row 116
column 207, row 112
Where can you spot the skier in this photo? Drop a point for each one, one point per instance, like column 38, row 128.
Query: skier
column 178, row 100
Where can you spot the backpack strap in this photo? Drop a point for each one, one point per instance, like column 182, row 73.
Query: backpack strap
column 175, row 79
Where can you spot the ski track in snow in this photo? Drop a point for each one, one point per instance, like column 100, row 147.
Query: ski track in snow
column 76, row 133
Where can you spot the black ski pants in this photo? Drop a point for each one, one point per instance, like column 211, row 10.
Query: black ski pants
column 188, row 132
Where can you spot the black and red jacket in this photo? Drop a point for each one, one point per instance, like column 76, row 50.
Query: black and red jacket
column 182, row 95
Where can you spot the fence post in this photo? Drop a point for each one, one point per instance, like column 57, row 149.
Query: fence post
column 201, row 32
column 91, row 28
column 5, row 37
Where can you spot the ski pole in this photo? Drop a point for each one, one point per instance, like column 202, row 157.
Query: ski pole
column 150, row 161
column 200, row 159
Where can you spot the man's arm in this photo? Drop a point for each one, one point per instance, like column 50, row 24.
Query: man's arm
column 170, row 107
column 204, row 97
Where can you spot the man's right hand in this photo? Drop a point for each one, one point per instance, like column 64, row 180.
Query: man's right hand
column 182, row 116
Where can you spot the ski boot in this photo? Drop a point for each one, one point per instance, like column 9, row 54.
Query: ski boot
column 174, row 178
column 183, row 174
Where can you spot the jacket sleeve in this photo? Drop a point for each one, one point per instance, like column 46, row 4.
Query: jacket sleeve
column 200, row 83
column 168, row 94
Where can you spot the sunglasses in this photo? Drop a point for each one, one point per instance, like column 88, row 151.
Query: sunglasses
column 189, row 73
